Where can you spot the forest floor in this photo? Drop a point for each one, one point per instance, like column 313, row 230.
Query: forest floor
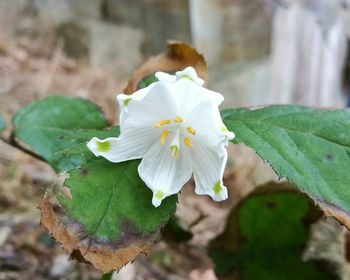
column 36, row 67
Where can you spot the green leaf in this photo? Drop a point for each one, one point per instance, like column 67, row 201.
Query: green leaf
column 309, row 147
column 109, row 210
column 76, row 153
column 265, row 236
column 44, row 124
column 2, row 124
column 150, row 79
column 173, row 232
column 145, row 82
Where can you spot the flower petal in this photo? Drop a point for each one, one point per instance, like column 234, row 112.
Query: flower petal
column 133, row 144
column 165, row 77
column 190, row 74
column 187, row 95
column 155, row 105
column 124, row 101
column 164, row 173
column 208, row 170
column 205, row 119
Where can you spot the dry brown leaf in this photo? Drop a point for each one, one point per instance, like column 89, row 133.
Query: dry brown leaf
column 176, row 57
column 105, row 258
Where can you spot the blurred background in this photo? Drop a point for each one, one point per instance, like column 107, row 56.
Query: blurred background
column 258, row 52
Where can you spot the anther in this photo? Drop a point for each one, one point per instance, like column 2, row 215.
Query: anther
column 163, row 136
column 178, row 119
column 191, row 130
column 161, row 123
column 188, row 142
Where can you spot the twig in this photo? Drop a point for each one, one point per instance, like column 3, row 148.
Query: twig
column 13, row 142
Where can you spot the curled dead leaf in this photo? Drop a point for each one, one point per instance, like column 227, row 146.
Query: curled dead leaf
column 332, row 211
column 66, row 193
column 105, row 258
column 176, row 57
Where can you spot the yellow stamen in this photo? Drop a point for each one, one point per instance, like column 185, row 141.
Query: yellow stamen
column 188, row 142
column 191, row 130
column 161, row 123
column 178, row 119
column 163, row 136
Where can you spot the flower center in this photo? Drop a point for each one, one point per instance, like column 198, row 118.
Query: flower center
column 181, row 133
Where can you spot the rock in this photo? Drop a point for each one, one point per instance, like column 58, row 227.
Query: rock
column 11, row 12
column 165, row 20
column 86, row 8
column 76, row 39
column 53, row 11
column 115, row 48
column 243, row 84
column 231, row 30
column 123, row 11
column 160, row 20
column 57, row 12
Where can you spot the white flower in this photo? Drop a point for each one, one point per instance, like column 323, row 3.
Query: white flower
column 174, row 125
column 188, row 73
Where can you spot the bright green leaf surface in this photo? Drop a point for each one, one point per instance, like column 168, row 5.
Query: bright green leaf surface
column 77, row 153
column 150, row 79
column 44, row 124
column 308, row 146
column 2, row 124
column 265, row 237
column 112, row 204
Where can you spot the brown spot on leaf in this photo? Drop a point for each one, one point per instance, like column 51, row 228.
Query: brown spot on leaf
column 84, row 171
column 177, row 57
column 103, row 257
column 328, row 157
column 271, row 205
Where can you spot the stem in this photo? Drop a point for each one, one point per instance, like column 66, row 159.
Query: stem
column 13, row 142
column 107, row 276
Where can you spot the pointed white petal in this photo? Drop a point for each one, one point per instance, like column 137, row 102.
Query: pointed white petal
column 165, row 77
column 133, row 144
column 156, row 105
column 189, row 73
column 164, row 173
column 203, row 119
column 216, row 97
column 208, row 169
column 124, row 100
column 100, row 146
column 187, row 95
